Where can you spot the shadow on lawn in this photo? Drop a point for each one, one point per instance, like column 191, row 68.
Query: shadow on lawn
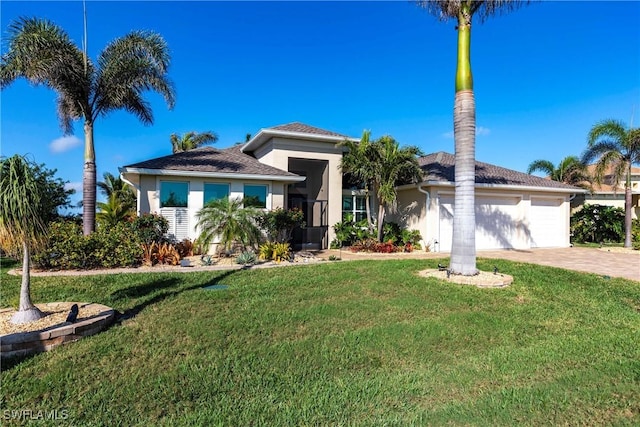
column 170, row 289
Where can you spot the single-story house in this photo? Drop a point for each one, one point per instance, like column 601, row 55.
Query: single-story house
column 298, row 166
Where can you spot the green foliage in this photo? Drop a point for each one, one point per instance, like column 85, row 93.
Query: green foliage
column 246, row 258
column 229, row 222
column 349, row 232
column 54, row 193
column 151, row 228
column 598, row 224
column 277, row 252
column 112, row 212
column 68, row 249
column 114, row 186
column 635, row 231
column 278, row 224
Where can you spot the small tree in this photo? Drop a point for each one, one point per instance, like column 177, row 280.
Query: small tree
column 22, row 228
column 229, row 221
column 278, row 224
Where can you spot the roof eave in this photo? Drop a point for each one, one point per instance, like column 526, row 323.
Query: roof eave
column 265, row 134
column 222, row 175
column 449, row 184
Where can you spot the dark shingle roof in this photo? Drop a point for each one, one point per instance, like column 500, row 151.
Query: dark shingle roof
column 440, row 167
column 211, row 160
column 302, row 128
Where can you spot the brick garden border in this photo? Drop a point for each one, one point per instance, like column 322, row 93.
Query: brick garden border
column 22, row 344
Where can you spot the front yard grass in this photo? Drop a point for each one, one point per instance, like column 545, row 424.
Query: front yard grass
column 340, row 343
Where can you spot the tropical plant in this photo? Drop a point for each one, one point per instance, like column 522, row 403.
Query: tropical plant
column 615, row 148
column 21, row 224
column 278, row 224
column 229, row 221
column 246, row 258
column 570, row 170
column 114, row 185
column 598, row 224
column 357, row 162
column 55, row 195
column 43, row 53
column 191, row 140
column 393, row 166
column 463, row 247
column 112, row 212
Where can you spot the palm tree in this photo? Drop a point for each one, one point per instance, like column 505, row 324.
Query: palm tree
column 114, row 185
column 230, row 221
column 21, row 223
column 615, row 148
column 191, row 140
column 463, row 247
column 356, row 161
column 392, row 166
column 570, row 170
column 113, row 211
column 43, row 53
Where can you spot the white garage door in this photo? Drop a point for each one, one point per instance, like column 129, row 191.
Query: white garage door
column 547, row 223
column 497, row 222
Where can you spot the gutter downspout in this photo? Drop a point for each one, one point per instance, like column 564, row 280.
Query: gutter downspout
column 427, row 203
column 136, row 187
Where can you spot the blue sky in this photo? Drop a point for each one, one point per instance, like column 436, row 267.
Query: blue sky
column 543, row 74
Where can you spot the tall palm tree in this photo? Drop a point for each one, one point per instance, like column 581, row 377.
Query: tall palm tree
column 356, row 161
column 228, row 220
column 463, row 248
column 570, row 170
column 43, row 53
column 191, row 140
column 21, row 225
column 392, row 166
column 615, row 147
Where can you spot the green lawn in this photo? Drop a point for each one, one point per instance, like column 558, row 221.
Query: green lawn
column 340, row 343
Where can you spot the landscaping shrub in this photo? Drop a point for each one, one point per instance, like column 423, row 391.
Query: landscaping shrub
column 598, row 224
column 278, row 224
column 275, row 251
column 151, row 228
column 107, row 247
column 635, row 234
column 406, row 240
column 348, row 232
column 246, row 258
column 185, row 248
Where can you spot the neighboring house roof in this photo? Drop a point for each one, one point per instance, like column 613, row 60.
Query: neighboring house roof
column 439, row 168
column 208, row 161
column 607, row 183
column 295, row 130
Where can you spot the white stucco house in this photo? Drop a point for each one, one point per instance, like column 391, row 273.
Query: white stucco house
column 296, row 165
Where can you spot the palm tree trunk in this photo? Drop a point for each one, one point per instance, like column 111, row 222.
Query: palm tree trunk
column 380, row 219
column 89, row 181
column 463, row 247
column 27, row 312
column 628, row 223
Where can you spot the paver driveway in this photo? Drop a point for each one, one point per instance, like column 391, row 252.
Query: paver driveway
column 589, row 260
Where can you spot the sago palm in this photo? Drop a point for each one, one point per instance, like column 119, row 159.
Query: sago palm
column 191, row 140
column 463, row 247
column 570, row 170
column 21, row 223
column 615, row 148
column 41, row 52
column 228, row 221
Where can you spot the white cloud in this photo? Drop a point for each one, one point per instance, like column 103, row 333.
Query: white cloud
column 480, row 131
column 74, row 186
column 64, row 143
